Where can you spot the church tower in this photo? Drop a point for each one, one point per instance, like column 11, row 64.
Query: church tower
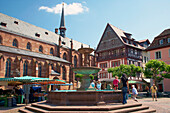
column 62, row 23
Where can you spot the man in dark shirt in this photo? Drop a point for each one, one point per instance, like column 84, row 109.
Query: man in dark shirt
column 125, row 88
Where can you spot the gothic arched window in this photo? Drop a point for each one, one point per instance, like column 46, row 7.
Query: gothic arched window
column 65, row 56
column 25, row 69
column 64, row 73
column 15, row 43
column 52, row 66
column 0, row 40
column 8, row 68
column 39, row 70
column 51, row 51
column 40, row 49
column 29, row 45
column 75, row 61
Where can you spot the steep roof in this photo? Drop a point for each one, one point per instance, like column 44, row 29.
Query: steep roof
column 30, row 53
column 28, row 30
column 165, row 32
column 145, row 40
column 122, row 33
column 155, row 43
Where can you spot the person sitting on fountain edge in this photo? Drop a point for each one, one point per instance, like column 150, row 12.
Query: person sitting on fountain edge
column 93, row 84
column 99, row 85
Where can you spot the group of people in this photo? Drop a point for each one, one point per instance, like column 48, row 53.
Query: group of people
column 96, row 85
column 125, row 88
column 19, row 93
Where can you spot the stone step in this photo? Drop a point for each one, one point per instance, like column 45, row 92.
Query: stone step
column 37, row 110
column 145, row 111
column 126, row 110
column 25, row 111
column 84, row 108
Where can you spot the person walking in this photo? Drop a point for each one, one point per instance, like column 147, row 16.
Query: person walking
column 153, row 91
column 124, row 81
column 134, row 93
column 115, row 82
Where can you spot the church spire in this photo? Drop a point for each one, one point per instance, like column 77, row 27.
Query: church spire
column 62, row 23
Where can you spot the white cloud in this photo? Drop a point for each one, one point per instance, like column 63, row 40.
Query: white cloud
column 69, row 9
column 84, row 2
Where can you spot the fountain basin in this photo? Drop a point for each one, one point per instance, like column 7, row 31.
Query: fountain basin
column 84, row 97
column 86, row 70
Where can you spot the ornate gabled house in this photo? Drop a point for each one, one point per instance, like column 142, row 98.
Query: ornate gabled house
column 160, row 50
column 118, row 47
column 29, row 50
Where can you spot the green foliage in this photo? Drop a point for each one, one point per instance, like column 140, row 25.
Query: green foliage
column 81, row 75
column 148, row 73
column 78, row 75
column 157, row 70
column 129, row 70
column 110, row 70
column 91, row 76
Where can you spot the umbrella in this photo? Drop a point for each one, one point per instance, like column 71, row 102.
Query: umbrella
column 7, row 79
column 31, row 79
column 13, row 83
column 52, row 82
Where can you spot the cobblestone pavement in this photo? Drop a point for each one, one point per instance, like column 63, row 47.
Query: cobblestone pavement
column 161, row 106
column 11, row 109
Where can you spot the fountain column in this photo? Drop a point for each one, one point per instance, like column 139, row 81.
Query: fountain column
column 86, row 70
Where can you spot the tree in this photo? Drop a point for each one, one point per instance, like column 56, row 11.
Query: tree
column 157, row 70
column 129, row 70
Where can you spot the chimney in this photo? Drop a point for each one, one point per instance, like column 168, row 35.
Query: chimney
column 56, row 30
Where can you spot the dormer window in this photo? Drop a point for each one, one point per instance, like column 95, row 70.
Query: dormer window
column 46, row 33
column 3, row 24
column 36, row 34
column 168, row 40
column 161, row 42
column 16, row 22
column 134, row 43
column 63, row 43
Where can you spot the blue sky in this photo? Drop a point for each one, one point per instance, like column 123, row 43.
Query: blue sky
column 86, row 19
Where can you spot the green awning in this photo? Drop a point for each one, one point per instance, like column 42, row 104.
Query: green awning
column 25, row 79
column 30, row 78
column 135, row 82
column 7, row 79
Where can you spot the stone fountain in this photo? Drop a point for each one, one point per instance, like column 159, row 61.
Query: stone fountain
column 85, row 70
column 84, row 96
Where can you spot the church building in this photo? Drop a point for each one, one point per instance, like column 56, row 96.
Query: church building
column 28, row 50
